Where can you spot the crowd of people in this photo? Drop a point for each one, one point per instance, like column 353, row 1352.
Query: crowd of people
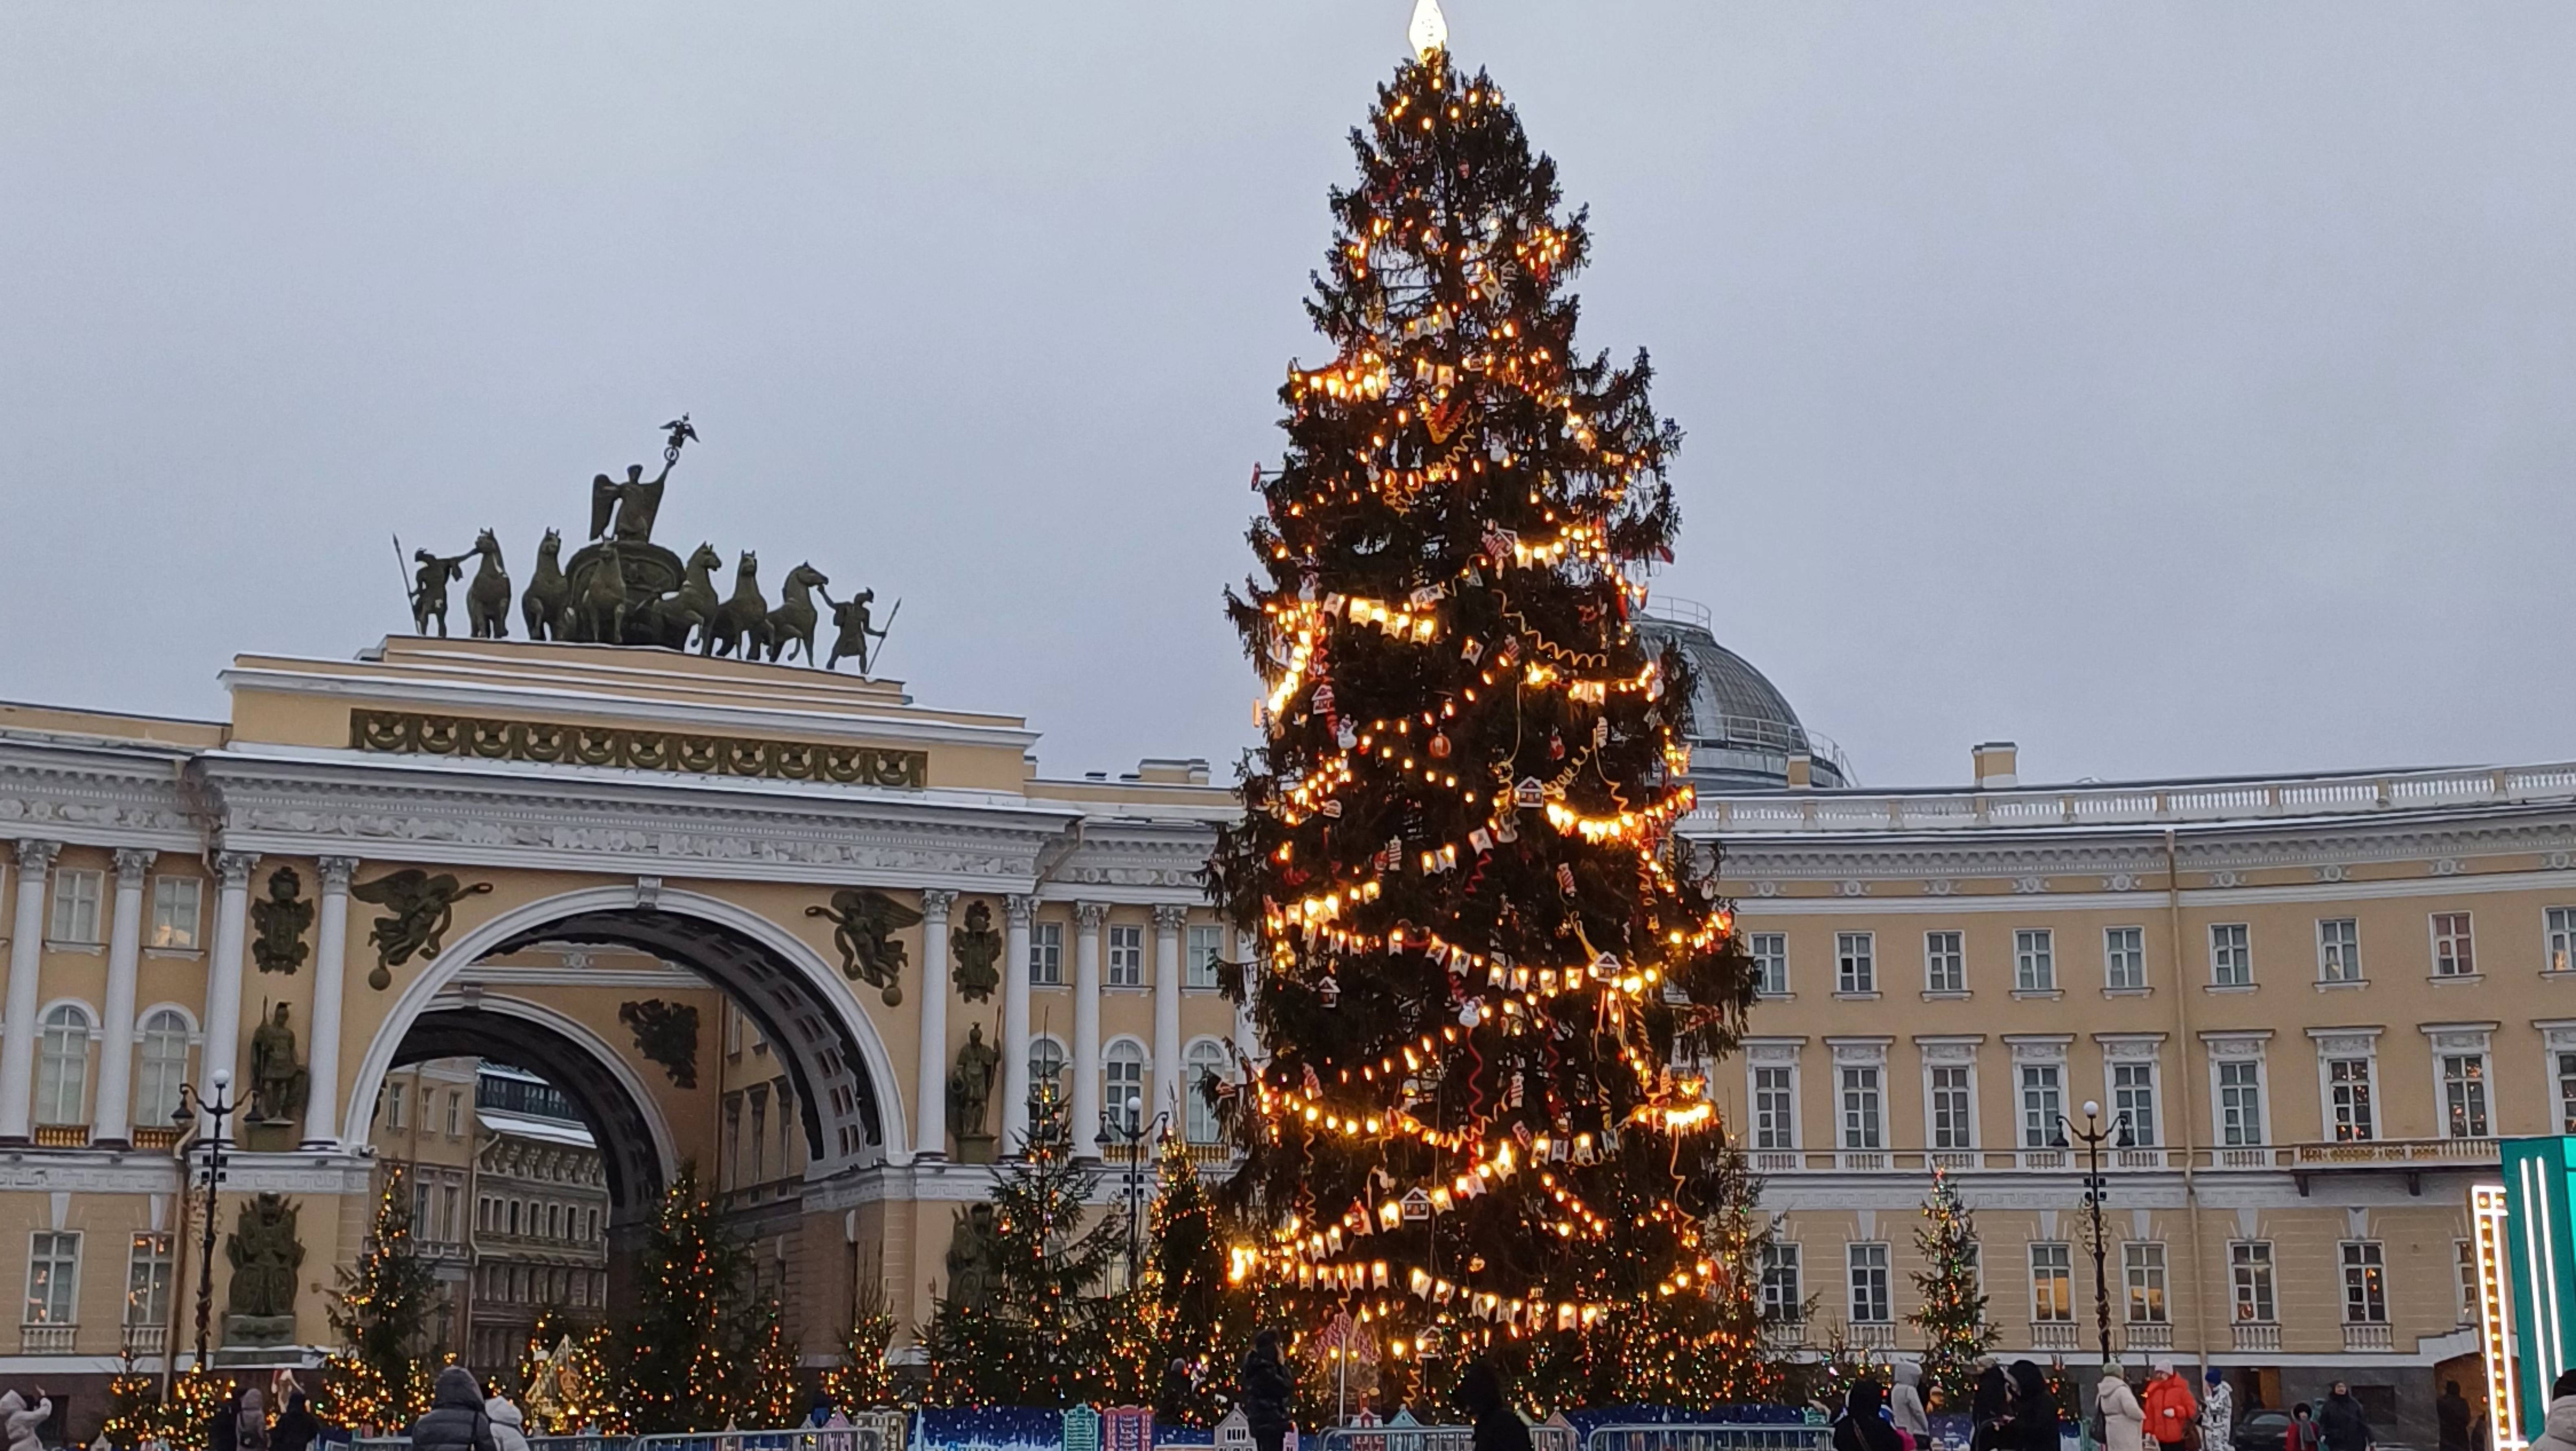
column 2015, row 1409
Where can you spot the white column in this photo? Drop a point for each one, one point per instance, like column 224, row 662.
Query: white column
column 1167, row 1011
column 1247, row 1039
column 224, row 974
column 1015, row 1022
column 18, row 1010
column 1087, row 918
column 930, row 1083
column 330, row 974
column 113, row 1122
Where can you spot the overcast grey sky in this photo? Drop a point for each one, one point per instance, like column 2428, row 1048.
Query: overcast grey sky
column 2174, row 388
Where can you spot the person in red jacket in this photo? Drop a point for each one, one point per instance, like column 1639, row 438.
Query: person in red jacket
column 2172, row 1414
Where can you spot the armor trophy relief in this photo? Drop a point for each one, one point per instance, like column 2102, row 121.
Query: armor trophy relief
column 621, row 588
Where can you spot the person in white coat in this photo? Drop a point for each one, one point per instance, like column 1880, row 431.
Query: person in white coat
column 1905, row 1403
column 509, row 1428
column 2124, row 1421
column 18, row 1420
column 2558, row 1433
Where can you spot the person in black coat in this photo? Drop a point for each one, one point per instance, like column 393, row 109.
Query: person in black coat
column 456, row 1419
column 2342, row 1422
column 1863, row 1424
column 1987, row 1408
column 295, row 1429
column 1264, row 1390
column 224, row 1433
column 2034, row 1410
column 1498, row 1426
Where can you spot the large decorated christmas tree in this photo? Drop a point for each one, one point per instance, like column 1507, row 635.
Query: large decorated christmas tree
column 1487, row 969
column 695, row 1354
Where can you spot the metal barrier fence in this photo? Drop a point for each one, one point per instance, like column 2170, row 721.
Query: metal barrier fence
column 1687, row 1437
column 1430, row 1438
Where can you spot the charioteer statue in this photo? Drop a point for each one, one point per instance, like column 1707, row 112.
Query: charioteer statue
column 621, row 588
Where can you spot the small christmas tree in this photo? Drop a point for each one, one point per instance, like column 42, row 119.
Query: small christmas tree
column 382, row 1311
column 770, row 1395
column 863, row 1379
column 1033, row 1332
column 686, row 1361
column 1953, row 1314
column 1188, row 1325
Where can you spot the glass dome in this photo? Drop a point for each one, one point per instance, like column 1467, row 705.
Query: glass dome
column 1742, row 730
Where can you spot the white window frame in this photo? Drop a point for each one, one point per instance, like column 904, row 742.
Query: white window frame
column 1949, row 1056
column 1123, row 955
column 1113, row 1103
column 2348, row 1045
column 156, row 1090
column 2558, row 940
column 1063, row 1062
column 53, row 1261
column 2558, row 1068
column 76, row 918
column 2038, row 1135
column 151, row 1270
column 2146, row 1282
column 1202, row 948
column 2478, row 1090
column 2454, row 944
column 1856, row 964
column 1868, row 1262
column 1861, row 1090
column 1046, row 954
column 1945, row 961
column 2253, row 1282
column 2231, row 950
column 2124, row 947
column 2034, row 960
column 2060, row 1273
column 2363, row 1291
column 1782, row 1260
column 1198, row 1116
column 2146, row 1053
column 2339, row 950
column 1770, row 952
column 2222, row 1050
column 63, row 1062
column 174, row 899
column 1781, row 1058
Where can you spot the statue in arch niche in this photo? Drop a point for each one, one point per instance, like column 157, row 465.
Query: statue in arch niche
column 277, row 1081
column 279, row 923
column 970, row 1095
column 978, row 949
column 265, row 1253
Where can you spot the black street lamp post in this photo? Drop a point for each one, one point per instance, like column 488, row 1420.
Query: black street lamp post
column 2093, row 1136
column 1129, row 1128
column 190, row 1106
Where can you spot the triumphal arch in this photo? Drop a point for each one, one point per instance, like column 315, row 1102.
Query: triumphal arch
column 782, row 926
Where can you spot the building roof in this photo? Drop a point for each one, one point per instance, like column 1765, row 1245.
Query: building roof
column 1743, row 730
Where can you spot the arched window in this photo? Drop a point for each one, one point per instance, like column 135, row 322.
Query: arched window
column 165, row 1067
column 1046, row 1065
column 1206, row 1062
column 62, row 1067
column 1122, row 1075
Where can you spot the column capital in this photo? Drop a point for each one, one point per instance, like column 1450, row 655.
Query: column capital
column 232, row 868
column 1091, row 914
column 935, row 902
column 37, row 856
column 133, row 863
column 337, row 872
column 1169, row 916
column 1017, row 909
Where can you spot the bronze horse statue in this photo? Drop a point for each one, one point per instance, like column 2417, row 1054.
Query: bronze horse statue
column 792, row 623
column 487, row 599
column 549, row 594
column 600, row 613
column 742, row 622
column 666, row 620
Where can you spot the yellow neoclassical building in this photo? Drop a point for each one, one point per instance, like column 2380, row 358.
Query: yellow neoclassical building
column 767, row 921
column 745, row 917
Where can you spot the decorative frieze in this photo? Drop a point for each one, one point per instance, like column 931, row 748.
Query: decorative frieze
column 412, row 733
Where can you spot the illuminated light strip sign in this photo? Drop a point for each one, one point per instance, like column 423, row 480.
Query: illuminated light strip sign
column 2525, row 1233
column 2488, row 1219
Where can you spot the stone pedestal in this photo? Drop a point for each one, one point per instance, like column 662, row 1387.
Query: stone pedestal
column 269, row 1136
column 258, row 1331
column 975, row 1148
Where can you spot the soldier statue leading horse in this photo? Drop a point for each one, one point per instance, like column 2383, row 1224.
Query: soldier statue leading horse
column 621, row 588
